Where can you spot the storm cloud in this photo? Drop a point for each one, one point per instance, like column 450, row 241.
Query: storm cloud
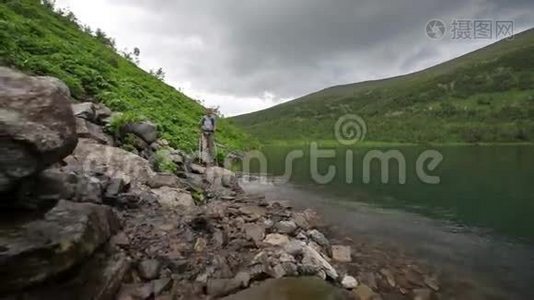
column 248, row 55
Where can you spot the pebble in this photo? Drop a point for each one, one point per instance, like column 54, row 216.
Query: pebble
column 349, row 282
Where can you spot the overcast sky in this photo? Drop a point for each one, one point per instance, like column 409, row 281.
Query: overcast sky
column 251, row 54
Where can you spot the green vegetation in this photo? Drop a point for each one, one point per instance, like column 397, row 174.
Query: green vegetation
column 484, row 96
column 163, row 163
column 38, row 40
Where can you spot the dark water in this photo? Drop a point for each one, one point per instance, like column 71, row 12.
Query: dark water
column 479, row 218
column 491, row 187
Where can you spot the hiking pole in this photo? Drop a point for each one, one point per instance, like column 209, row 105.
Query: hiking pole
column 200, row 148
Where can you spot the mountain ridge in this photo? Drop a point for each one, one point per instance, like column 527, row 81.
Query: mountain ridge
column 487, row 73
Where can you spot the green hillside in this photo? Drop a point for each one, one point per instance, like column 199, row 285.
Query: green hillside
column 37, row 40
column 484, row 96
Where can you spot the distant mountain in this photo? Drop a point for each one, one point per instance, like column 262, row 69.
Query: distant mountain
column 41, row 40
column 483, row 96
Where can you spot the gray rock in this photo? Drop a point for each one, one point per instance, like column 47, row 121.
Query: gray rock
column 286, row 227
column 161, row 285
column 243, row 277
column 102, row 113
column 37, row 125
column 146, row 130
column 120, row 240
column 86, row 129
column 295, row 247
column 174, row 198
column 91, row 157
column 104, row 278
column 197, row 169
column 254, row 231
column 115, row 187
column 36, row 250
column 300, row 220
column 313, row 258
column 99, row 278
column 177, row 157
column 164, row 179
column 85, row 110
column 319, row 238
column 88, row 189
column 276, row 239
column 220, row 179
column 149, row 269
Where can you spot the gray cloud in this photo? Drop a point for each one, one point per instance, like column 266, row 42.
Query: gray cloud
column 289, row 48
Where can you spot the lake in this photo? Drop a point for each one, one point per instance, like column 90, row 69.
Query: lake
column 479, row 218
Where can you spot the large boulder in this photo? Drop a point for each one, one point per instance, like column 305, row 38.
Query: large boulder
column 92, row 157
column 37, row 126
column 32, row 251
column 99, row 278
column 146, row 130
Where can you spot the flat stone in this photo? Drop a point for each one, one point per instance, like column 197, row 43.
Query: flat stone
column 117, row 163
column 294, row 247
column 35, row 250
column 252, row 212
column 85, row 110
column 174, row 198
column 285, row 227
column 197, row 169
column 163, row 179
column 276, row 239
column 312, row 257
column 341, row 253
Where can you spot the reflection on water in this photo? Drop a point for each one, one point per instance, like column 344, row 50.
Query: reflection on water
column 491, row 187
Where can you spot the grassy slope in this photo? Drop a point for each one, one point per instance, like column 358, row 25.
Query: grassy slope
column 38, row 41
column 484, row 96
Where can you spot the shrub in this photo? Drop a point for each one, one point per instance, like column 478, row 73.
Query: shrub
column 121, row 119
column 163, row 163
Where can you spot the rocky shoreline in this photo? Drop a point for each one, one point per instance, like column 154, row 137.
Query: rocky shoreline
column 90, row 215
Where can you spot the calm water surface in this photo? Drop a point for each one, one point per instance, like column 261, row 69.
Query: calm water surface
column 479, row 218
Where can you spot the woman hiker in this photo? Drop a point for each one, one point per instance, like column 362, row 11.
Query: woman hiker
column 208, row 126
